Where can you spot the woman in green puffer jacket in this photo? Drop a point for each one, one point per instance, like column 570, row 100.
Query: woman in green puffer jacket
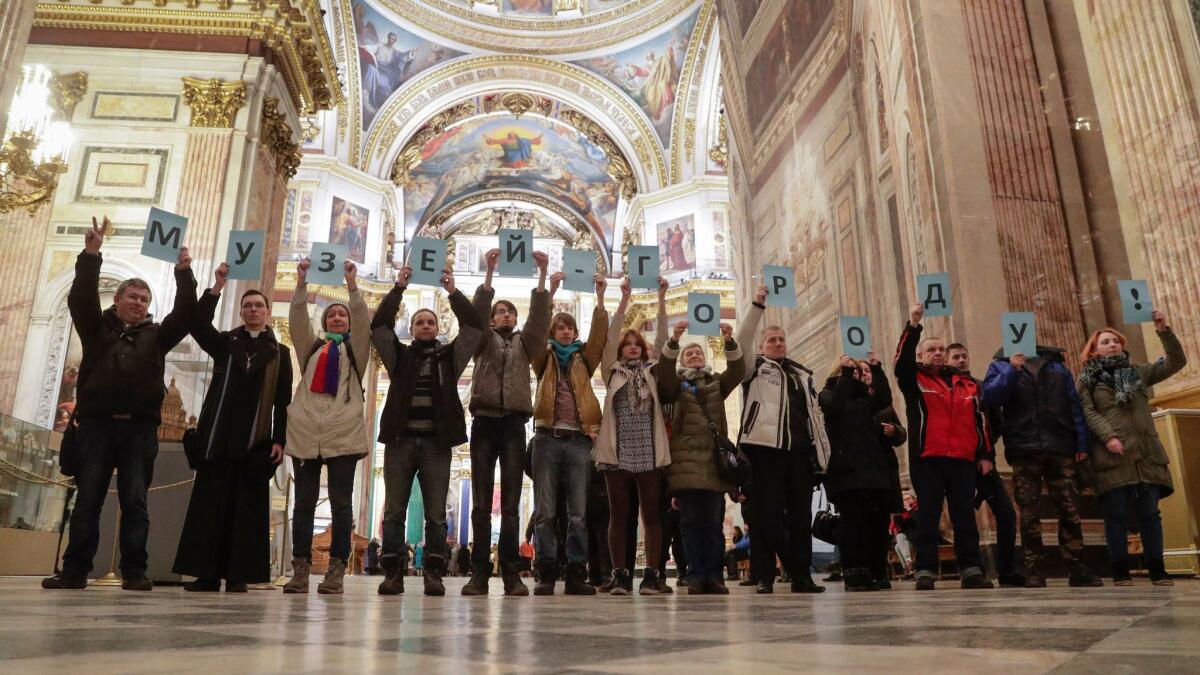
column 695, row 479
column 1127, row 459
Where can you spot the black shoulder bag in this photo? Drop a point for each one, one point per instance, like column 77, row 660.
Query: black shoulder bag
column 825, row 522
column 730, row 458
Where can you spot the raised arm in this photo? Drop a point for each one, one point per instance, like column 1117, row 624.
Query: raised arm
column 612, row 347
column 360, row 317
column 735, row 365
column 383, row 326
column 470, row 324
column 83, row 300
column 751, row 319
column 664, row 371
column 178, row 322
column 300, row 328
column 1174, row 360
column 208, row 337
column 905, row 364
column 660, row 324
column 881, row 388
column 598, row 333
column 999, row 383
column 485, row 295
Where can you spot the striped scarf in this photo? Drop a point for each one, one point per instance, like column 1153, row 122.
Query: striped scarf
column 328, row 372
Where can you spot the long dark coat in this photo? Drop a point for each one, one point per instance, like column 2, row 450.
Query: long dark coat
column 225, row 534
column 862, row 457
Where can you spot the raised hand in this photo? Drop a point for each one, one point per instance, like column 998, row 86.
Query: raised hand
column 1160, row 320
column 760, row 295
column 539, row 258
column 448, row 280
column 185, row 259
column 350, row 271
column 1017, row 360
column 626, row 288
column 679, row 329
column 915, row 314
column 662, row 287
column 222, row 276
column 302, row 269
column 846, row 362
column 726, row 331
column 601, row 284
column 873, row 358
column 94, row 238
column 403, row 275
column 556, row 280
column 492, row 258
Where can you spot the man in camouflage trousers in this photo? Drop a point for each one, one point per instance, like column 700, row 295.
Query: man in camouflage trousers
column 1044, row 437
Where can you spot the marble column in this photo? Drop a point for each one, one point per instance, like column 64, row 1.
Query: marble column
column 22, row 238
column 214, row 105
column 1143, row 60
column 276, row 157
column 16, row 19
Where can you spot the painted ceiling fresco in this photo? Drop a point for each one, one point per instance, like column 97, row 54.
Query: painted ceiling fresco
column 389, row 56
column 649, row 72
column 530, row 154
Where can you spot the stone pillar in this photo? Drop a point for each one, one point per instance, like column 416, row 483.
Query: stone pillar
column 22, row 238
column 1143, row 60
column 275, row 159
column 16, row 19
column 214, row 105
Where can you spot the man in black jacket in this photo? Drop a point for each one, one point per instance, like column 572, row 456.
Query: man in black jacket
column 1044, row 436
column 120, row 396
column 422, row 421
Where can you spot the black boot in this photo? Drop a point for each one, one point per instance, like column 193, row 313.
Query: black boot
column 63, row 580
column 393, row 574
column 547, row 576
column 622, row 582
column 203, row 586
column 478, row 585
column 858, row 579
column 804, row 584
column 577, row 580
column 435, row 566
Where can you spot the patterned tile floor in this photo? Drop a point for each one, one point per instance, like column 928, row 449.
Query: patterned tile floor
column 1058, row 629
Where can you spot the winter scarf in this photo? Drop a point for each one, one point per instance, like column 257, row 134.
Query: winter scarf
column 1116, row 372
column 328, row 373
column 564, row 354
column 635, row 374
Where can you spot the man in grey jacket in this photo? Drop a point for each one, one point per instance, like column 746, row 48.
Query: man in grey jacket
column 501, row 404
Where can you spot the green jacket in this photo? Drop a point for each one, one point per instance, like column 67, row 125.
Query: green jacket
column 693, row 456
column 1144, row 460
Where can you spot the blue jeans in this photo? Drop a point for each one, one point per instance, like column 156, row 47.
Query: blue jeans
column 130, row 447
column 701, row 513
column 1143, row 499
column 418, row 456
column 561, row 464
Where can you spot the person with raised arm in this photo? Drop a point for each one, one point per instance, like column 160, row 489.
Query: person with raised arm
column 422, row 421
column 326, row 422
column 501, row 404
column 120, row 395
column 237, row 444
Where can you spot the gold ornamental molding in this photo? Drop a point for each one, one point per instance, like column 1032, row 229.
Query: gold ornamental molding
column 66, row 91
column 539, row 36
column 410, row 154
column 214, row 103
column 719, row 153
column 277, row 138
column 293, row 30
column 542, row 77
column 691, row 79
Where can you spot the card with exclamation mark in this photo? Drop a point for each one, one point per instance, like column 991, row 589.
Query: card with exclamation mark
column 1136, row 304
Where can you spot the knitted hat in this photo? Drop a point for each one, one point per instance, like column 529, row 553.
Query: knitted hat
column 325, row 314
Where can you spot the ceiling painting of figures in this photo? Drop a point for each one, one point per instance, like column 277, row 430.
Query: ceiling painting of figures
column 389, row 56
column 529, row 7
column 530, row 154
column 649, row 72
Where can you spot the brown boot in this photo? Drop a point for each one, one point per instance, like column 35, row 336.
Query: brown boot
column 299, row 581
column 332, row 584
column 393, row 570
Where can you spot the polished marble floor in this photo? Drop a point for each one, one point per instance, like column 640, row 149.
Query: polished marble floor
column 1058, row 629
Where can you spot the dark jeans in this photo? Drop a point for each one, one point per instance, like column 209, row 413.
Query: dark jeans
column 105, row 444
column 701, row 513
column 1142, row 499
column 492, row 439
column 783, row 483
column 732, row 557
column 561, row 465
column 673, row 540
column 990, row 489
column 648, row 488
column 341, row 506
column 952, row 480
column 862, row 534
column 596, row 521
column 419, row 456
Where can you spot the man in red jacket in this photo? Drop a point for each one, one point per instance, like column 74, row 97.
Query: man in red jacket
column 947, row 437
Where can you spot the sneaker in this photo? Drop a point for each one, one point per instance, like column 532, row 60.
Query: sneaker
column 747, row 582
column 622, row 582
column 1121, row 575
column 1084, row 579
column 765, row 588
column 136, row 581
column 976, row 581
column 63, row 581
column 478, row 585
column 606, row 586
column 1035, row 581
column 925, row 584
column 1163, row 581
column 203, row 586
column 236, row 587
column 651, row 584
column 681, row 582
column 1013, row 580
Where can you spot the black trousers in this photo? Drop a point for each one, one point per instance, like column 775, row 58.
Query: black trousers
column 497, row 439
column 783, row 484
column 938, row 479
column 863, row 538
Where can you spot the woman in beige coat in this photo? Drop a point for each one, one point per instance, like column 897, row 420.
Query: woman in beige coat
column 632, row 448
column 326, row 426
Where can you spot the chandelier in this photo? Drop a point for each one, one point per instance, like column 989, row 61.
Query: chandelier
column 33, row 147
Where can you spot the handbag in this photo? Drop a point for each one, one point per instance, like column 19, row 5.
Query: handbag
column 825, row 522
column 193, row 448
column 69, row 454
column 731, row 460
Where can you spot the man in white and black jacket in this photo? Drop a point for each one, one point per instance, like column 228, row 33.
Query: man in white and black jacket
column 783, row 434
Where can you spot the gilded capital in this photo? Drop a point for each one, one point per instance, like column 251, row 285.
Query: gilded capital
column 214, row 103
column 66, row 91
column 277, row 138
